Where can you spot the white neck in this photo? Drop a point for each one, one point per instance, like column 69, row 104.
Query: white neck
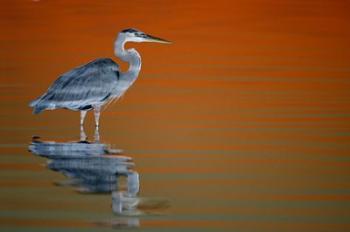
column 130, row 55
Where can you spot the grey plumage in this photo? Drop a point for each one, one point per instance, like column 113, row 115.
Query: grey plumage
column 81, row 88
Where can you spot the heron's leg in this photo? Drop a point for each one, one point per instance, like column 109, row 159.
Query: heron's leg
column 97, row 110
column 82, row 117
column 82, row 133
column 97, row 135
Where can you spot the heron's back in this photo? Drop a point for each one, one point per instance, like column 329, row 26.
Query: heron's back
column 91, row 84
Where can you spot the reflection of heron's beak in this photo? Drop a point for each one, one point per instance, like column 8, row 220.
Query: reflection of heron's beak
column 151, row 38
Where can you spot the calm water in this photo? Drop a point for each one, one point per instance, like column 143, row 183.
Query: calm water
column 242, row 124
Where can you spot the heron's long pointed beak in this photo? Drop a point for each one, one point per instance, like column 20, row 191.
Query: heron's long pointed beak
column 151, row 38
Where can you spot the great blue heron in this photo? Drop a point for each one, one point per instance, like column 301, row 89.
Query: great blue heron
column 94, row 84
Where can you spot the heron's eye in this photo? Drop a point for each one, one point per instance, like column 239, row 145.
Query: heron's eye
column 142, row 35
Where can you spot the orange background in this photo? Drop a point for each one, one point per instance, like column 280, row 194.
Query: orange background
column 243, row 121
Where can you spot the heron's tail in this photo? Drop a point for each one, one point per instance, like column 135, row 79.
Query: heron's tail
column 37, row 107
column 33, row 103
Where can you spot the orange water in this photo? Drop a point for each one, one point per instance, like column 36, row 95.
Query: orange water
column 242, row 124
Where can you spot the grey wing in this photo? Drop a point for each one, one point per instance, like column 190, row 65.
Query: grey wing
column 81, row 88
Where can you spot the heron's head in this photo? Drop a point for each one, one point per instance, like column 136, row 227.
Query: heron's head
column 134, row 35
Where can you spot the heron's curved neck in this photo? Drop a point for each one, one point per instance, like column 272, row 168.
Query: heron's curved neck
column 130, row 55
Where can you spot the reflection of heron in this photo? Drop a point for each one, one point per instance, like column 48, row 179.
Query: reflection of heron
column 94, row 84
column 92, row 167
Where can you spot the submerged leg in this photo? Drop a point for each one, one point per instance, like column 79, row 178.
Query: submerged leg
column 97, row 110
column 82, row 117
